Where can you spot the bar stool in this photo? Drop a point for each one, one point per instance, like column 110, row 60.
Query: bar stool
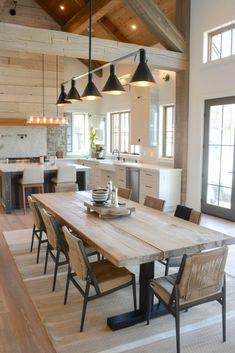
column 33, row 177
column 65, row 175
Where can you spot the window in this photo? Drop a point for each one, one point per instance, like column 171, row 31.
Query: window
column 77, row 133
column 168, row 129
column 221, row 43
column 119, row 128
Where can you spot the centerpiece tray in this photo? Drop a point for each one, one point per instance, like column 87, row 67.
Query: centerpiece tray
column 107, row 210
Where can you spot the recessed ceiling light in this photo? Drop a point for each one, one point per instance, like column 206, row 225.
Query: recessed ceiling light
column 62, row 7
column 133, row 27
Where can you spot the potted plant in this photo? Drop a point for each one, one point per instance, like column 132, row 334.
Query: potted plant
column 92, row 138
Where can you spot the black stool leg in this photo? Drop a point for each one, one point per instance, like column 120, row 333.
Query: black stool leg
column 46, row 259
column 39, row 245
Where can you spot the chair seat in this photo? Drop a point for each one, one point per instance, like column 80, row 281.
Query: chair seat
column 163, row 286
column 109, row 276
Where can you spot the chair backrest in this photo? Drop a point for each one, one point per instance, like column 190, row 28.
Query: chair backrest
column 201, row 275
column 124, row 192
column 76, row 253
column 195, row 216
column 66, row 174
column 154, row 202
column 33, row 175
column 188, row 214
column 51, row 228
column 37, row 217
column 66, row 187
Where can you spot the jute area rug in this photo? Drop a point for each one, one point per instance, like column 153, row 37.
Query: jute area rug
column 200, row 326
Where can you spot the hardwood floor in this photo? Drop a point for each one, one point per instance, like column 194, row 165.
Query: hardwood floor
column 21, row 330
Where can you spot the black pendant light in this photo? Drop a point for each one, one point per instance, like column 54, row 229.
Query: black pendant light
column 113, row 85
column 90, row 92
column 142, row 76
column 62, row 100
column 73, row 95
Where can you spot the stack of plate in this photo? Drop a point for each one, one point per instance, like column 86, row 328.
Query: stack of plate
column 100, row 195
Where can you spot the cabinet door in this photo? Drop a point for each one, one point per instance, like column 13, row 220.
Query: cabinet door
column 144, row 112
column 149, row 184
column 121, row 176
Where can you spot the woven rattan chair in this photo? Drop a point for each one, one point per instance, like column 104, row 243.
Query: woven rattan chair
column 190, row 215
column 154, row 202
column 201, row 279
column 38, row 226
column 56, row 242
column 102, row 275
column 125, row 193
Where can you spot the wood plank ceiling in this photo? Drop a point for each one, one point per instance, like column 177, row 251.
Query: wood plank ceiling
column 112, row 19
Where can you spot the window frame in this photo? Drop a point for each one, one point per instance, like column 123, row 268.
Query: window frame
column 85, row 133
column 120, row 135
column 164, row 130
column 213, row 33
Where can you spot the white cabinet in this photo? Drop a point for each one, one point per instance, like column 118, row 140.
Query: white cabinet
column 93, row 181
column 106, row 176
column 144, row 112
column 162, row 183
column 121, row 176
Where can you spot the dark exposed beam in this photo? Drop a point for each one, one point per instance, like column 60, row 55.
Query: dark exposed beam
column 79, row 22
column 158, row 23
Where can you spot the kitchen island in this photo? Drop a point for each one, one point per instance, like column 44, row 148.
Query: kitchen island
column 11, row 173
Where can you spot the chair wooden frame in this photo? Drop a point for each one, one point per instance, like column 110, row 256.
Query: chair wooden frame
column 154, row 202
column 175, row 305
column 38, row 227
column 124, row 192
column 90, row 279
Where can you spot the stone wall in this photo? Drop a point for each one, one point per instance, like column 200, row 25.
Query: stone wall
column 56, row 140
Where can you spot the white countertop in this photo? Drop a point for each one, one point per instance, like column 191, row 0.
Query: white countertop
column 19, row 167
column 106, row 162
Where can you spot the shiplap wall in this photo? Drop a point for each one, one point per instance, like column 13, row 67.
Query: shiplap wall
column 21, row 84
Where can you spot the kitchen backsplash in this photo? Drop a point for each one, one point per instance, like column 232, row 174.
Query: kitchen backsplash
column 23, row 141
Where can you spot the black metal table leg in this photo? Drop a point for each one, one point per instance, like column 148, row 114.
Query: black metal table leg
column 134, row 317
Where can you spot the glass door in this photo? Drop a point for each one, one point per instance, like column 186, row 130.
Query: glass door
column 218, row 182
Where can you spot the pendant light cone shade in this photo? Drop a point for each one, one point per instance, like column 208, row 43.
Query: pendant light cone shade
column 142, row 76
column 73, row 95
column 113, row 85
column 62, row 100
column 91, row 93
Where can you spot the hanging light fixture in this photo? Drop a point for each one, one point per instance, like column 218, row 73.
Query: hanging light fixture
column 73, row 95
column 90, row 92
column 62, row 100
column 43, row 120
column 113, row 85
column 142, row 76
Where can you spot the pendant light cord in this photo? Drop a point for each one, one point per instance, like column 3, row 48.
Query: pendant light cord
column 43, row 88
column 90, row 36
column 57, row 88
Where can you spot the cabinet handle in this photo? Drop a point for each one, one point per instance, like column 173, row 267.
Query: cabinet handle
column 147, row 186
column 148, row 174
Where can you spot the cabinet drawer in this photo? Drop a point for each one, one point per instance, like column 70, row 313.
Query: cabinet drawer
column 148, row 189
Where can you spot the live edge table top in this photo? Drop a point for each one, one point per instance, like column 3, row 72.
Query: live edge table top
column 145, row 236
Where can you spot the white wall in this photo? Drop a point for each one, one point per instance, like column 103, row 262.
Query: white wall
column 211, row 80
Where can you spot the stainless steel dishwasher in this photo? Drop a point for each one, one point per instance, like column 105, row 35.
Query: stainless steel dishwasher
column 132, row 182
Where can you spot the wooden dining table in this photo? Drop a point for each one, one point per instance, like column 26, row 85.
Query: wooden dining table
column 142, row 238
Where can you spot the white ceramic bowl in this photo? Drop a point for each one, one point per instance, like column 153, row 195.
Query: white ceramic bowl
column 100, row 195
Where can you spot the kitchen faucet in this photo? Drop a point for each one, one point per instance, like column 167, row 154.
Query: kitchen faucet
column 118, row 153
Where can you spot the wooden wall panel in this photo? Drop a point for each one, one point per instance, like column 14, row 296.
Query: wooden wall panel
column 28, row 13
column 21, row 84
